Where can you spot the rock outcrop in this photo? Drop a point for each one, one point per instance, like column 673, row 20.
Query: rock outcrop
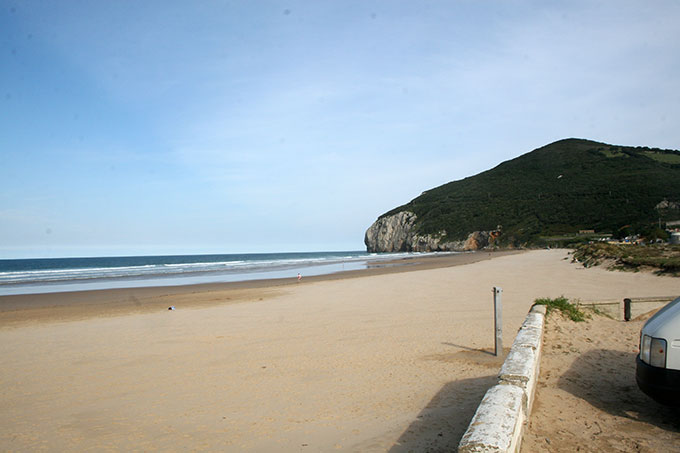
column 665, row 204
column 397, row 233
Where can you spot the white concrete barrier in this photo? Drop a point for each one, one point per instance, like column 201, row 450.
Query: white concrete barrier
column 498, row 423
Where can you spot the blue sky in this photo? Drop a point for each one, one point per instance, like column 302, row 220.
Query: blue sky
column 163, row 127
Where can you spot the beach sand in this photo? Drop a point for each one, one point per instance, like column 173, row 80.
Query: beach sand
column 587, row 398
column 394, row 359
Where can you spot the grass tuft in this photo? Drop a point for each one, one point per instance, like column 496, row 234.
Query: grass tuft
column 562, row 304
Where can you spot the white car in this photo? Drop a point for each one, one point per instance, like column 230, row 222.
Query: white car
column 658, row 364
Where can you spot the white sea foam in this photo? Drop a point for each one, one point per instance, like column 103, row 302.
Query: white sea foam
column 242, row 267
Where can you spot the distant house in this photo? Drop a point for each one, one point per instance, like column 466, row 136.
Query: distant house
column 586, row 231
column 675, row 238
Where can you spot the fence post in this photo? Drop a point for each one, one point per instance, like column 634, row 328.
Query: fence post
column 498, row 325
column 626, row 309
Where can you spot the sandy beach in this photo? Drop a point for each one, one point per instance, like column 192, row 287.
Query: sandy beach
column 587, row 398
column 391, row 359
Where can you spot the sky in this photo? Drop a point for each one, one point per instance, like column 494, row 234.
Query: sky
column 168, row 127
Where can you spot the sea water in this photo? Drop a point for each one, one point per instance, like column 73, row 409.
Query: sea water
column 32, row 276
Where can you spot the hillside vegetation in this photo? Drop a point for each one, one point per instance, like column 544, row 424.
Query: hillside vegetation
column 561, row 188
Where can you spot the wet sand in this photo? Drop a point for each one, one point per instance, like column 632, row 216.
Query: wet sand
column 71, row 305
column 382, row 360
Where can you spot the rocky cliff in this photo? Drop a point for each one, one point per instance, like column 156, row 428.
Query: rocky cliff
column 397, row 233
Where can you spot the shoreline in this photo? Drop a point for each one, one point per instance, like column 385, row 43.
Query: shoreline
column 75, row 305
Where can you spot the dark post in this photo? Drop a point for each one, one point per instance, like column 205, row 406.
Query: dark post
column 626, row 309
column 498, row 325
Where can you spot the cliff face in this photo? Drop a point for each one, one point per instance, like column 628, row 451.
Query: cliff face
column 397, row 233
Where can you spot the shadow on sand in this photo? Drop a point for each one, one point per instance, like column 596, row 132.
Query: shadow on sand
column 467, row 348
column 614, row 371
column 442, row 423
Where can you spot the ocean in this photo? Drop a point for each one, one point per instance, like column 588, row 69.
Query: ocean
column 33, row 276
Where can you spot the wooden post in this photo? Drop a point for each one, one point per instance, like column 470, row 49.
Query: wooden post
column 498, row 325
column 626, row 309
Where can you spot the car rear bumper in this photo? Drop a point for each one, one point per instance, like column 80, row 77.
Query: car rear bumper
column 661, row 384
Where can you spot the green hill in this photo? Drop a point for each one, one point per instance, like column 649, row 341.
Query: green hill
column 561, row 188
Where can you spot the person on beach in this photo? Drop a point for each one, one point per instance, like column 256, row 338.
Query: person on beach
column 299, row 276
